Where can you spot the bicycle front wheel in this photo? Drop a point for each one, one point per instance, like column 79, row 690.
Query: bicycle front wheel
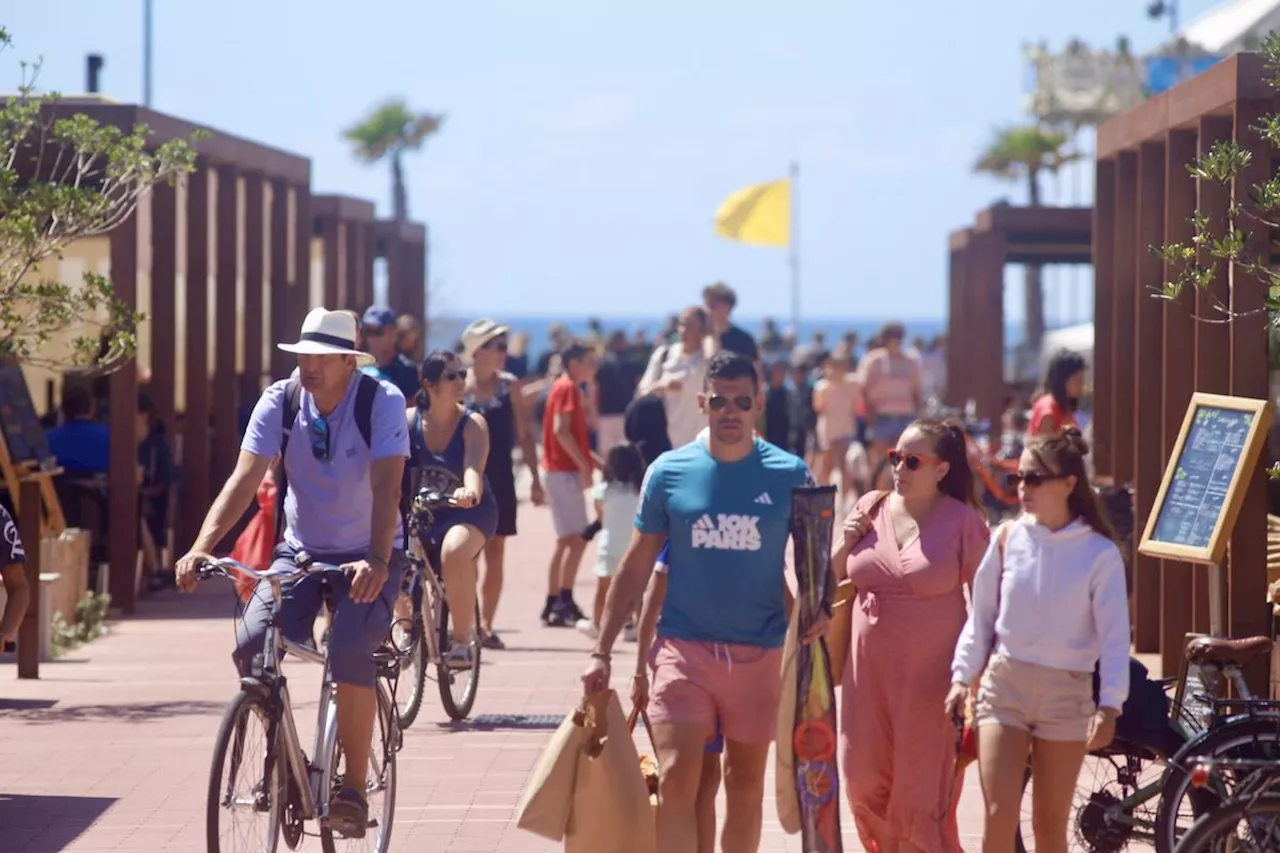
column 458, row 687
column 246, row 781
column 1236, row 826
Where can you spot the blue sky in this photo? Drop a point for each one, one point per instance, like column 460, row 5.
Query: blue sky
column 588, row 145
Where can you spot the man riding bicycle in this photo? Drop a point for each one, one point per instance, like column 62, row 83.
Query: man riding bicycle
column 341, row 484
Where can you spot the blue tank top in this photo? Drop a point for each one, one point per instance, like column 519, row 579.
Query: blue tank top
column 440, row 472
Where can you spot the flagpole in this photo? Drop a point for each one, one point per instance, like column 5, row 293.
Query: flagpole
column 794, row 244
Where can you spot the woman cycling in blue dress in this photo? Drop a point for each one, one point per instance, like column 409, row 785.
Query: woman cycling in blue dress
column 448, row 448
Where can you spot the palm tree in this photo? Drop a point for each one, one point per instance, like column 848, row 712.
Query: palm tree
column 1025, row 153
column 389, row 131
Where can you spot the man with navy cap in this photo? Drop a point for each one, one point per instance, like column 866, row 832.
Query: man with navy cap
column 380, row 336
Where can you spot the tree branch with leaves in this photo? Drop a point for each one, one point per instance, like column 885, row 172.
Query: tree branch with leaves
column 63, row 180
column 1224, row 244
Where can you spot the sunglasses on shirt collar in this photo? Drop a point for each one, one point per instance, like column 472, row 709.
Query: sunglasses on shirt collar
column 320, row 438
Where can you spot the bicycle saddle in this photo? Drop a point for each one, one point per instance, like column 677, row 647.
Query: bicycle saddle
column 1226, row 651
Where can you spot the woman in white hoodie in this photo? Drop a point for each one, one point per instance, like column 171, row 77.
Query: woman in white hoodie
column 1049, row 602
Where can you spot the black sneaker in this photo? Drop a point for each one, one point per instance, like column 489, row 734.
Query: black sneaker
column 548, row 609
column 559, row 618
column 572, row 612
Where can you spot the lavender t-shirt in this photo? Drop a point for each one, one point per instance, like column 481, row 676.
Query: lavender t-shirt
column 328, row 508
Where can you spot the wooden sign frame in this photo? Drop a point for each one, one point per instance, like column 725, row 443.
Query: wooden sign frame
column 1213, row 553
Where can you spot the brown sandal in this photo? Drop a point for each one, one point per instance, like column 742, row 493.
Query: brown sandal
column 349, row 814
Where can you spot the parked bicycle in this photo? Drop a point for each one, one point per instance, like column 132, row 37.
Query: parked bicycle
column 1138, row 788
column 1248, row 821
column 422, row 602
column 282, row 789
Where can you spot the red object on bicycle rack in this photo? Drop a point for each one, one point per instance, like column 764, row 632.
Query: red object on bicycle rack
column 1200, row 776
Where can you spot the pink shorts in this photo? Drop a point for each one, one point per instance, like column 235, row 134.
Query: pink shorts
column 696, row 683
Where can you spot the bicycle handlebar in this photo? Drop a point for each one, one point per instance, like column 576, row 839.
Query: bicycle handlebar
column 427, row 500
column 223, row 566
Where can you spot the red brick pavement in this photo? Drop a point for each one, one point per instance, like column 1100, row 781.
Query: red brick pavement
column 110, row 749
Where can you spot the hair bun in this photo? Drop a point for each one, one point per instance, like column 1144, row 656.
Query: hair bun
column 1075, row 439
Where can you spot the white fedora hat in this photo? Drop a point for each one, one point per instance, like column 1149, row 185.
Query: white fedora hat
column 329, row 333
column 478, row 334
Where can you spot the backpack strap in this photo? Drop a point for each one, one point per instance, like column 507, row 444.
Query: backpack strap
column 365, row 393
column 289, row 416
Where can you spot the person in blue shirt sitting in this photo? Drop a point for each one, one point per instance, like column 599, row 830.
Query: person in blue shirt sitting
column 81, row 444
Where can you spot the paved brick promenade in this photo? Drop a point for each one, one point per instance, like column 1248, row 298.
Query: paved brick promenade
column 110, row 749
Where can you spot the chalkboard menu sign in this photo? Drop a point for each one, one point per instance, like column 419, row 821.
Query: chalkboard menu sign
column 23, row 433
column 1199, row 499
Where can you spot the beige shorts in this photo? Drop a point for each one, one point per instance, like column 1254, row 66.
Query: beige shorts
column 1051, row 704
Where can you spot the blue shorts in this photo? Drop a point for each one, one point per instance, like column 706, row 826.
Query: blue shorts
column 889, row 428
column 716, row 745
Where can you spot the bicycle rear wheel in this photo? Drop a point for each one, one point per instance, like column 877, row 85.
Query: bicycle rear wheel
column 1236, row 827
column 1254, row 737
column 458, row 687
column 379, row 788
column 246, row 788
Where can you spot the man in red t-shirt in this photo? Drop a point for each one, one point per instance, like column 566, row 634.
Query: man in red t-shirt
column 567, row 458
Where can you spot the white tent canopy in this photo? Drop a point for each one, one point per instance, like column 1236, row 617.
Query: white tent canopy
column 1233, row 26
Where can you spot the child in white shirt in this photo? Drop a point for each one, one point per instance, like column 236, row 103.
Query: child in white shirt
column 617, row 496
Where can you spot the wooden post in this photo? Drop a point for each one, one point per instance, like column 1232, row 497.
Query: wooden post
column 1104, row 389
column 1148, row 414
column 29, row 531
column 1179, row 367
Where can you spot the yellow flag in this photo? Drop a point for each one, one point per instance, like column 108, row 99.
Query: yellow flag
column 758, row 214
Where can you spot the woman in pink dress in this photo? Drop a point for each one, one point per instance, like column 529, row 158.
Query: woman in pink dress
column 910, row 552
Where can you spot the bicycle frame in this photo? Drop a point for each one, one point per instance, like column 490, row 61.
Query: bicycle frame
column 268, row 682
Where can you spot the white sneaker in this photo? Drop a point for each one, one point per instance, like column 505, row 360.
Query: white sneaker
column 629, row 632
column 459, row 657
column 588, row 627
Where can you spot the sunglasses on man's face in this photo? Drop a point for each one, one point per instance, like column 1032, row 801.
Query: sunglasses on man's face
column 499, row 344
column 913, row 461
column 1032, row 478
column 717, row 403
column 320, row 439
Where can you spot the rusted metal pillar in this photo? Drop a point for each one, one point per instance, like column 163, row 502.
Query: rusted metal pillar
column 164, row 286
column 195, row 421
column 1125, row 272
column 331, row 238
column 350, row 239
column 1148, row 387
column 282, row 329
column 1213, row 339
column 30, row 523
column 956, row 322
column 122, row 469
column 1178, row 377
column 226, row 443
column 300, row 298
column 397, row 269
column 1247, row 588
column 254, row 286
column 986, row 283
column 1104, row 388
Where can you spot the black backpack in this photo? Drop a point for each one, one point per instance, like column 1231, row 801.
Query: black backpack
column 365, row 392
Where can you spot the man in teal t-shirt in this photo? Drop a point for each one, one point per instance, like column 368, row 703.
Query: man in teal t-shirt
column 724, row 506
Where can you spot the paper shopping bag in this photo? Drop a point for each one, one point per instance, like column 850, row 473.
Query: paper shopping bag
column 785, row 796
column 548, row 796
column 611, row 812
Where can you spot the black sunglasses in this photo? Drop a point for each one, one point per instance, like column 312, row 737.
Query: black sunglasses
column 913, row 461
column 717, row 403
column 320, row 438
column 1033, row 478
column 499, row 344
